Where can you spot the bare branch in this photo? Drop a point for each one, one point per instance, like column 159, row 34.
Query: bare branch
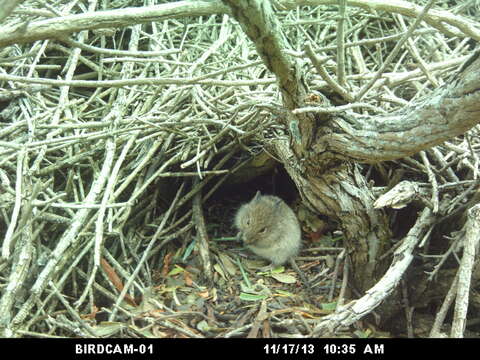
column 447, row 112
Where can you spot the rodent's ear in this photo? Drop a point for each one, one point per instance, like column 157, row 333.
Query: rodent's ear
column 257, row 195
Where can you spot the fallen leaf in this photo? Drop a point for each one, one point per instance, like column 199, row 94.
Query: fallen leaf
column 166, row 264
column 228, row 264
column 92, row 314
column 219, row 269
column 188, row 278
column 115, row 280
column 176, row 270
column 252, row 297
column 284, row 278
column 329, row 306
column 204, row 294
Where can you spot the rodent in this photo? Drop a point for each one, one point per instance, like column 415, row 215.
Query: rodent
column 269, row 228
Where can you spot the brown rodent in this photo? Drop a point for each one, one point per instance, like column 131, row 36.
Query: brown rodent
column 269, row 228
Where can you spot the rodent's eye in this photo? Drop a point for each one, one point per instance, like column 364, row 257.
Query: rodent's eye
column 263, row 230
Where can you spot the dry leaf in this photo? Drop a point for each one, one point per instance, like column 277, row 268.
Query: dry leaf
column 92, row 314
column 115, row 280
column 166, row 263
column 187, row 278
column 204, row 294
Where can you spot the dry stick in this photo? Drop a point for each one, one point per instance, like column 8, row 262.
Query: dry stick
column 335, row 274
column 450, row 174
column 110, row 147
column 408, row 309
column 403, row 256
column 110, row 295
column 114, row 52
column 202, row 235
column 141, row 165
column 395, row 51
column 62, row 26
column 113, row 261
column 442, row 313
column 7, row 8
column 63, row 99
column 146, row 253
column 7, row 242
column 359, row 43
column 453, row 246
column 76, row 139
column 471, row 189
column 81, row 323
column 337, row 109
column 341, row 43
column 69, row 238
column 343, row 289
column 470, row 246
column 318, row 64
column 34, row 334
column 475, row 168
column 433, row 181
column 136, row 81
column 20, row 267
column 300, row 273
column 60, row 283
column 238, row 331
column 415, row 54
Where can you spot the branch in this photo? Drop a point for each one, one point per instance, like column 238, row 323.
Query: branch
column 457, row 25
column 470, row 247
column 65, row 25
column 7, row 8
column 447, row 112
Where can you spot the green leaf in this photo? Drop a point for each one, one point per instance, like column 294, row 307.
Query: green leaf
column 329, row 306
column 188, row 250
column 228, row 264
column 219, row 269
column 203, row 326
column 284, row 293
column 363, row 334
column 106, row 328
column 277, row 270
column 244, row 274
column 284, row 278
column 252, row 297
column 176, row 270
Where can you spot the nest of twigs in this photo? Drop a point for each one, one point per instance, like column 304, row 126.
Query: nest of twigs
column 119, row 150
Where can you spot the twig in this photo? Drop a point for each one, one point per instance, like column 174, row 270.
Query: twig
column 433, row 181
column 395, row 50
column 470, row 246
column 442, row 313
column 202, row 235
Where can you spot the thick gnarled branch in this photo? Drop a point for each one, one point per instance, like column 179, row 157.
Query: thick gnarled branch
column 448, row 112
column 259, row 23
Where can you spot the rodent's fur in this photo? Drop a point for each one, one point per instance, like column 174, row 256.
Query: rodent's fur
column 269, row 228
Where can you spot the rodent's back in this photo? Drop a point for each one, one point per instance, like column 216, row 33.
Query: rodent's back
column 269, row 228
